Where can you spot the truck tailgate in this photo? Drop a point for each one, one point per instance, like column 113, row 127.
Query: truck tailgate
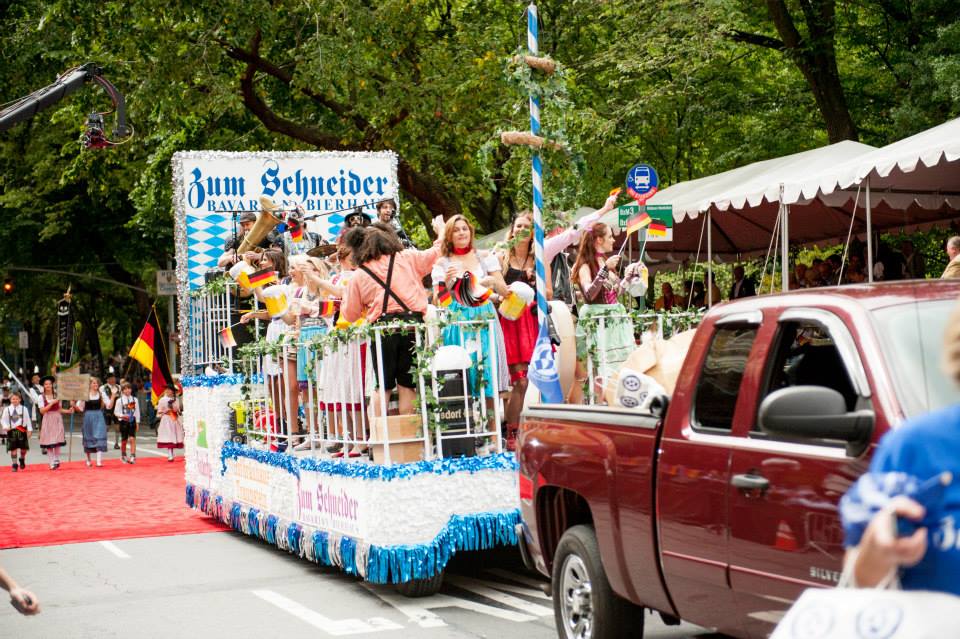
column 607, row 457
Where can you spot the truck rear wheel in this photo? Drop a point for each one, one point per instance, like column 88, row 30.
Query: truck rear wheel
column 421, row 587
column 584, row 605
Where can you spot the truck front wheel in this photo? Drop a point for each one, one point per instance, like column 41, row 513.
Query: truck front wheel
column 584, row 605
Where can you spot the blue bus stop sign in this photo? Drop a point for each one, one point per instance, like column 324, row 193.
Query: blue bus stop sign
column 642, row 182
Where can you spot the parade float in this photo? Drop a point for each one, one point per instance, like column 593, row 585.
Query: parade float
column 396, row 518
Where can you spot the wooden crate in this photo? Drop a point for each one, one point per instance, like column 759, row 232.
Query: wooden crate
column 398, row 427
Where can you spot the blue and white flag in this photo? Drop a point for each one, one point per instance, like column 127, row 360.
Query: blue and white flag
column 543, row 369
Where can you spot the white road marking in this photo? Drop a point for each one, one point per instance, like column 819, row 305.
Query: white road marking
column 535, row 590
column 336, row 627
column 520, row 579
column 418, row 610
column 112, row 547
column 493, row 591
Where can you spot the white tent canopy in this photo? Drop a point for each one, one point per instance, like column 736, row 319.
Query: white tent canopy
column 820, row 195
column 752, row 185
column 921, row 169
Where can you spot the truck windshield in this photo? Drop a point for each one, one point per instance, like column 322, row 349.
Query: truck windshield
column 911, row 336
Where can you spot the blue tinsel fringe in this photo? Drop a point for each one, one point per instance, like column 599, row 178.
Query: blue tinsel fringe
column 231, row 450
column 209, row 381
column 373, row 472
column 385, row 564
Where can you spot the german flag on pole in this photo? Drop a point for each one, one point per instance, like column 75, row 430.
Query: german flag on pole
column 637, row 222
column 262, row 278
column 658, row 229
column 150, row 352
column 329, row 308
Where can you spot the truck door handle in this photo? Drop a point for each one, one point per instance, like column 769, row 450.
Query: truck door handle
column 750, row 482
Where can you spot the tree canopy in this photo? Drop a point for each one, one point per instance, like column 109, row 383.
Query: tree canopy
column 692, row 87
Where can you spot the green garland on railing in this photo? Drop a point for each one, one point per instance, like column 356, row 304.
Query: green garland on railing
column 339, row 337
column 640, row 320
column 216, row 286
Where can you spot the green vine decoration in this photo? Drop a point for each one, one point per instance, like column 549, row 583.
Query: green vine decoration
column 672, row 321
column 217, row 286
column 564, row 165
column 339, row 337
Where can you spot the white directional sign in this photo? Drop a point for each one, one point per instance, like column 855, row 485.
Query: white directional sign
column 166, row 282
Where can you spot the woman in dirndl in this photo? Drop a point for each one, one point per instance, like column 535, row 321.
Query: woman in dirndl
column 280, row 371
column 94, row 427
column 519, row 334
column 170, row 430
column 603, row 328
column 462, row 277
column 343, row 376
column 306, row 273
column 52, row 437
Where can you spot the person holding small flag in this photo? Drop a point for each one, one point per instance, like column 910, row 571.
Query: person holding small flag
column 603, row 327
column 310, row 314
column 270, row 285
column 127, row 410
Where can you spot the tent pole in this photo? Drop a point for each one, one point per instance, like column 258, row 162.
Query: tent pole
column 869, row 236
column 784, row 244
column 709, row 283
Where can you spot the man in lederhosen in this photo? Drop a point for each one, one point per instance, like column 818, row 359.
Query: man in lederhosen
column 243, row 301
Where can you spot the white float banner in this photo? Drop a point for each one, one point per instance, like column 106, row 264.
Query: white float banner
column 332, row 503
column 214, row 187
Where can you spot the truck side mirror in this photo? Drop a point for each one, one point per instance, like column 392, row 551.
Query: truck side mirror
column 815, row 412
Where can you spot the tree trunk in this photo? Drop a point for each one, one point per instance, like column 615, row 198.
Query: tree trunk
column 814, row 55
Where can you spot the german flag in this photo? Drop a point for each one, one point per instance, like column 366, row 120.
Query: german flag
column 329, row 308
column 262, row 278
column 296, row 232
column 444, row 297
column 637, row 222
column 150, row 352
column 658, row 229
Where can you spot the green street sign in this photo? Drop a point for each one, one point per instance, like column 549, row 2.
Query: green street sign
column 625, row 212
column 662, row 213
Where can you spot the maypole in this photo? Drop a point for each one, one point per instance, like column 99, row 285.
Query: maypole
column 537, row 179
column 543, row 368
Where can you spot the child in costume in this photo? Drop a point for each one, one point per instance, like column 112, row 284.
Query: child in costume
column 127, row 410
column 52, row 436
column 170, row 431
column 15, row 422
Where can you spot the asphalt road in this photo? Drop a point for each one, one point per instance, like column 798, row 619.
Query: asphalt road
column 225, row 585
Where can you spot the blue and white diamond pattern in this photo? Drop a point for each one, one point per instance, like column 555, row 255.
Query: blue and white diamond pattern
column 206, row 236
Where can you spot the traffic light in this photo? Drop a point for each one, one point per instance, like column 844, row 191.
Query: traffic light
column 8, row 286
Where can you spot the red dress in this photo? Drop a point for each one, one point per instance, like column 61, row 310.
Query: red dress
column 519, row 335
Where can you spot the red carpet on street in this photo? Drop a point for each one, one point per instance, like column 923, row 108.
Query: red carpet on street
column 41, row 507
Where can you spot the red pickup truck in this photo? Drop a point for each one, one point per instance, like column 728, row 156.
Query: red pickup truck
column 722, row 508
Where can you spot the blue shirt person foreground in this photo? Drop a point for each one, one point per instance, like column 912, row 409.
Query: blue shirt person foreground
column 903, row 485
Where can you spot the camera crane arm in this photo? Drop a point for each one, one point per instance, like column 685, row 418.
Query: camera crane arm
column 28, row 106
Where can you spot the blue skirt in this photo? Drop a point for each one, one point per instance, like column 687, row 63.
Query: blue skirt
column 476, row 339
column 304, row 355
column 94, row 432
